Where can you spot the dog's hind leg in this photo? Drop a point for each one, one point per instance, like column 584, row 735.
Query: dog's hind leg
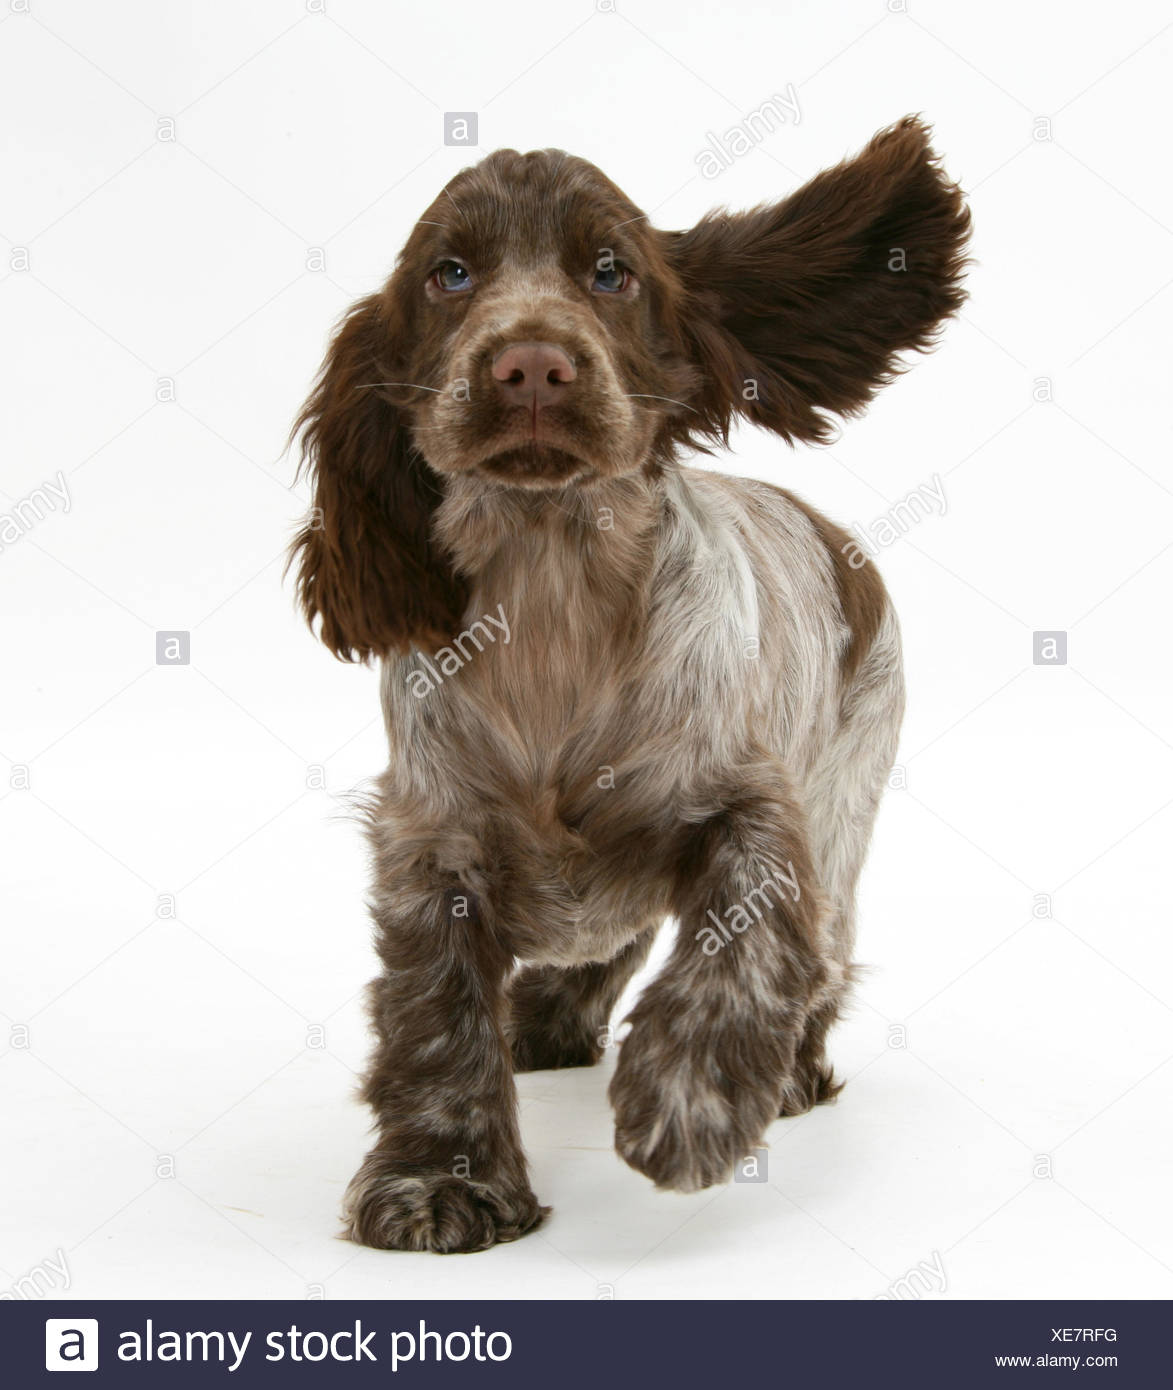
column 842, row 796
column 559, row 1015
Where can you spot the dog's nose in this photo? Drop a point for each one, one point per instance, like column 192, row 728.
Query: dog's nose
column 533, row 374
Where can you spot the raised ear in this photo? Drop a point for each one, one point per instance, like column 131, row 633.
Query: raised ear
column 798, row 310
column 368, row 568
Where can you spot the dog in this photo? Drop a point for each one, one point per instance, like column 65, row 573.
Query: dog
column 617, row 688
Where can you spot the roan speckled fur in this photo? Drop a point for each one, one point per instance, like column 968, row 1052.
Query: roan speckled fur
column 691, row 699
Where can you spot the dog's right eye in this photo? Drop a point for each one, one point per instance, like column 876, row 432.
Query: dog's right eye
column 451, row 276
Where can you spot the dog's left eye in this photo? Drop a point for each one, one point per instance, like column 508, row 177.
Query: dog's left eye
column 612, row 280
column 451, row 276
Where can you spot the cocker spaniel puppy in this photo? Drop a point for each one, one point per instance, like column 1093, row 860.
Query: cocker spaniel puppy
column 616, row 688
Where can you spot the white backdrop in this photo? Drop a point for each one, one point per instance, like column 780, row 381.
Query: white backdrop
column 184, row 936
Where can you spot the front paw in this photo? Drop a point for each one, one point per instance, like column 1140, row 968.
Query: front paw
column 681, row 1117
column 390, row 1209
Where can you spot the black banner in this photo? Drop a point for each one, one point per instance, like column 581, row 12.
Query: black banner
column 596, row 1345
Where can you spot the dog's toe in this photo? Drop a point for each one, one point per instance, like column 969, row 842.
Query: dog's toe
column 807, row 1091
column 392, row 1210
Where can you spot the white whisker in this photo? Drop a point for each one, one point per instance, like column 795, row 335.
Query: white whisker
column 641, row 395
column 625, row 224
column 455, row 204
column 414, row 386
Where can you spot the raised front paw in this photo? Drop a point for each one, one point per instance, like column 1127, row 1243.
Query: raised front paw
column 392, row 1210
column 685, row 1114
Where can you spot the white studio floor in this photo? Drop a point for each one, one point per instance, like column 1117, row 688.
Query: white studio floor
column 184, row 939
column 222, row 1047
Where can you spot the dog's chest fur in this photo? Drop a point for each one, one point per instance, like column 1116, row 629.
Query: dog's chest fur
column 640, row 601
column 572, row 732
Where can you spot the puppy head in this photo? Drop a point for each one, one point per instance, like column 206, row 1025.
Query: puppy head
column 538, row 333
column 542, row 314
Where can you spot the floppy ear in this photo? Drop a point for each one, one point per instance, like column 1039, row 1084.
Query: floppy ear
column 368, row 568
column 802, row 307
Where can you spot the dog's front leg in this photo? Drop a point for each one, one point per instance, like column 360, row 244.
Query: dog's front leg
column 447, row 1173
column 714, row 1037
